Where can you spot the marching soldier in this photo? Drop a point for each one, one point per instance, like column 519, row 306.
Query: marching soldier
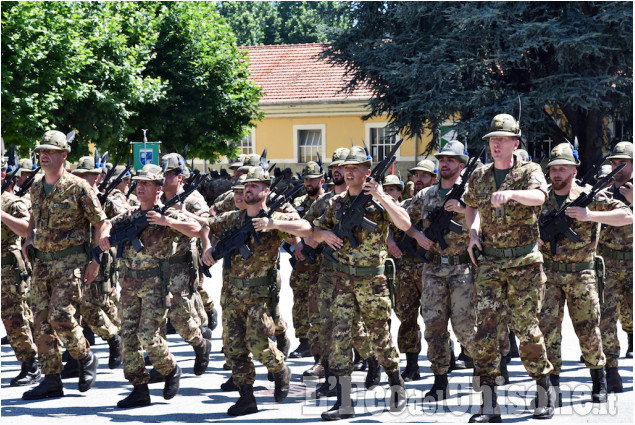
column 64, row 208
column 248, row 299
column 424, row 174
column 17, row 317
column 145, row 297
column 503, row 202
column 571, row 270
column 616, row 247
column 361, row 289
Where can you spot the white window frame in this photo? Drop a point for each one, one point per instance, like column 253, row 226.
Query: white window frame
column 252, row 138
column 368, row 128
column 296, row 139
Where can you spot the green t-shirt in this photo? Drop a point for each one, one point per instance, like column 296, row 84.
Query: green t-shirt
column 560, row 199
column 443, row 192
column 499, row 176
column 48, row 188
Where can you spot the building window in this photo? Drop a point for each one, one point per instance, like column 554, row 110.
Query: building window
column 246, row 144
column 382, row 141
column 309, row 145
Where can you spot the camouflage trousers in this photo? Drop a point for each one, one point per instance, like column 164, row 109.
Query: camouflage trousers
column 143, row 305
column 407, row 302
column 182, row 313
column 579, row 292
column 57, row 292
column 323, row 342
column 300, row 281
column 368, row 299
column 17, row 317
column 98, row 310
column 618, row 298
column 247, row 318
column 521, row 289
column 447, row 295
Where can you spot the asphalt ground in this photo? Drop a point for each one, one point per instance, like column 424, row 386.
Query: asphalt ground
column 200, row 399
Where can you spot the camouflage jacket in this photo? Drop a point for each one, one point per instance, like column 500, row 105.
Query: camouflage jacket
column 518, row 224
column 618, row 238
column 302, row 204
column 372, row 249
column 116, row 203
column 225, row 202
column 397, row 234
column 589, row 231
column 16, row 207
column 318, row 207
column 157, row 240
column 422, row 205
column 195, row 204
column 63, row 218
column 264, row 256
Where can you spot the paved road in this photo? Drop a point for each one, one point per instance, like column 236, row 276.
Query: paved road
column 200, row 399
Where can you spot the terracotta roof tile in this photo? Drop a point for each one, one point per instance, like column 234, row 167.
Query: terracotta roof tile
column 294, row 72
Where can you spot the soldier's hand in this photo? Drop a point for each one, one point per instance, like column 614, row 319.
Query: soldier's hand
column 474, row 241
column 394, row 249
column 104, row 243
column 579, row 213
column 423, row 241
column 92, row 269
column 262, row 223
column 311, row 242
column 157, row 219
column 502, row 197
column 207, row 258
column 25, row 245
column 454, row 206
column 627, row 191
column 541, row 243
column 374, row 189
column 297, row 251
column 332, row 240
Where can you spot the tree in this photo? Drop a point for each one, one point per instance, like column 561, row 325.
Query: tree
column 71, row 65
column 430, row 62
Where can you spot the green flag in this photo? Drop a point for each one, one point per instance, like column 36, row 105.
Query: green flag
column 146, row 153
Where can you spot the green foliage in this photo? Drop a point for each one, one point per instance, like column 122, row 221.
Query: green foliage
column 430, row 61
column 108, row 69
column 286, row 22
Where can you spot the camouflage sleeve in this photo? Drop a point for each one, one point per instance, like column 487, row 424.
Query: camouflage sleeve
column 284, row 217
column 604, row 201
column 536, row 178
column 415, row 209
column 225, row 204
column 326, row 220
column 287, row 208
column 20, row 209
column 218, row 224
column 469, row 197
column 89, row 204
column 195, row 203
column 177, row 215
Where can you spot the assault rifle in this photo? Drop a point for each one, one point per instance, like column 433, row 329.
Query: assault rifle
column 353, row 217
column 234, row 241
column 104, row 196
column 12, row 165
column 129, row 231
column 558, row 223
column 26, row 185
column 104, row 183
column 131, row 188
column 441, row 219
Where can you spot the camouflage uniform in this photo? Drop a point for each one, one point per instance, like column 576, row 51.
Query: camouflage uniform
column 366, row 297
column 143, row 295
column 516, row 281
column 225, row 202
column 247, row 298
column 578, row 289
column 448, row 290
column 62, row 220
column 16, row 314
column 616, row 247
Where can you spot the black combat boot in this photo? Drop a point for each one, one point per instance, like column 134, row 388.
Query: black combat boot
column 281, row 379
column 303, row 350
column 140, row 396
column 156, row 376
column 598, row 391
column 71, row 368
column 629, row 349
column 169, row 328
column 411, row 372
column 283, row 343
column 452, row 357
column 546, row 399
column 202, row 356
column 504, row 371
column 50, row 387
column 555, row 383
column 172, row 382
column 246, row 404
column 440, row 389
column 317, row 370
column 397, row 391
column 359, row 364
column 327, row 388
column 343, row 407
column 373, row 376
column 490, row 411
column 4, row 340
column 29, row 373
column 513, row 346
column 229, row 385
column 613, row 380
column 114, row 358
column 464, row 361
column 87, row 371
column 212, row 319
column 206, row 332
column 89, row 335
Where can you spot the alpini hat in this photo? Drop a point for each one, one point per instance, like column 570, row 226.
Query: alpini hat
column 312, row 170
column 563, row 154
column 257, row 174
column 86, row 165
column 119, row 169
column 339, row 156
column 150, row 172
column 54, row 140
column 426, row 165
column 27, row 166
column 523, row 154
column 622, row 150
column 503, row 125
column 358, row 155
column 453, row 148
column 252, row 160
column 240, row 183
column 392, row 180
column 237, row 162
column 173, row 161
